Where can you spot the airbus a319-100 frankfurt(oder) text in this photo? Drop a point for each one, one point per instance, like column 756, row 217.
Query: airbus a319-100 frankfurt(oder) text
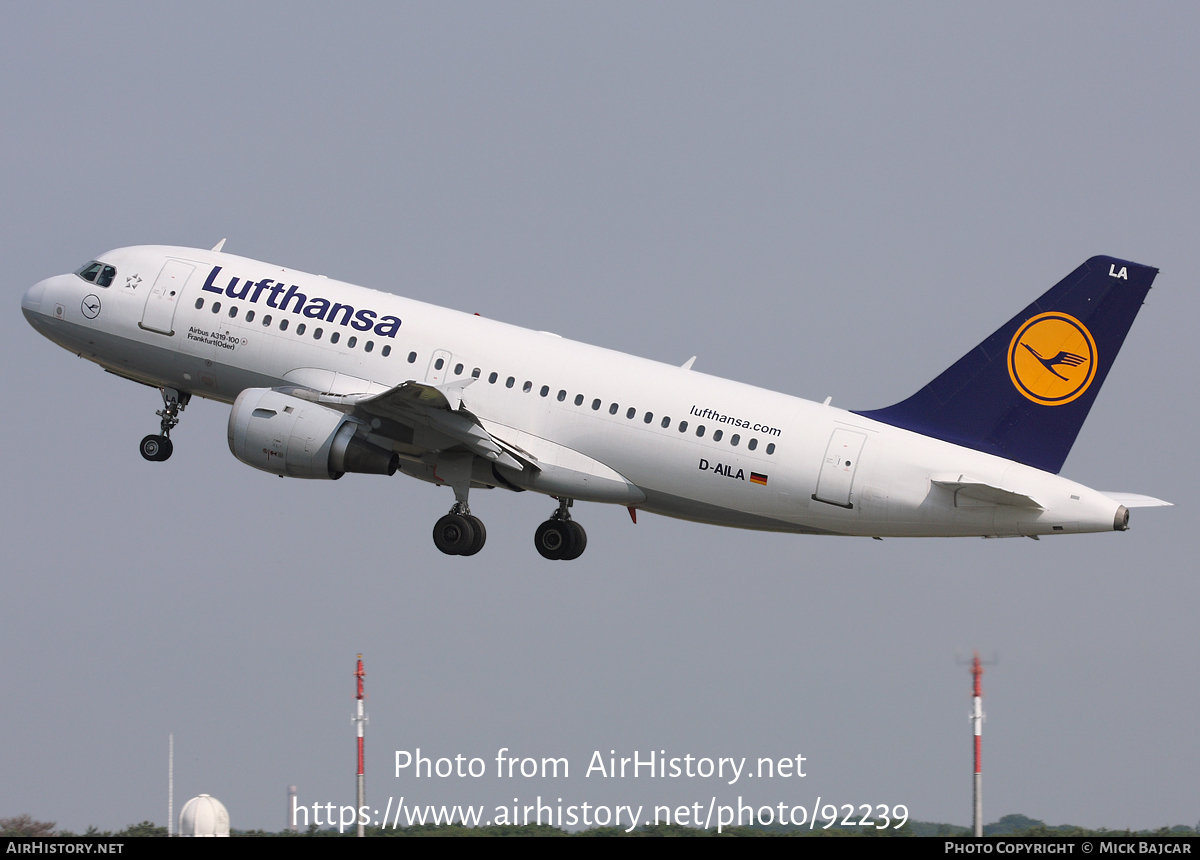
column 326, row 378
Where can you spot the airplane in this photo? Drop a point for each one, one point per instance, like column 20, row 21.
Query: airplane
column 326, row 378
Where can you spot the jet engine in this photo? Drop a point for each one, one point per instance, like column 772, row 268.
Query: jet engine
column 284, row 435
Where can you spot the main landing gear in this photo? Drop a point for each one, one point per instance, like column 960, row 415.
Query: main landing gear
column 560, row 538
column 459, row 533
column 159, row 448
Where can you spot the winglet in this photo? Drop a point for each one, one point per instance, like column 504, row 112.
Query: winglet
column 687, row 365
column 217, row 247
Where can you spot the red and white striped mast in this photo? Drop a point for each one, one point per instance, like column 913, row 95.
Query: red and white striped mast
column 360, row 719
column 977, row 725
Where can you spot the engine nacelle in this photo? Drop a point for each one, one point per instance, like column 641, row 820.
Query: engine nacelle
column 284, row 435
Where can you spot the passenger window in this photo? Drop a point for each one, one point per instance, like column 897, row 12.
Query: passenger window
column 317, row 334
column 387, row 350
column 458, row 369
column 199, row 303
column 439, row 364
column 666, row 422
column 106, row 276
column 492, row 377
column 232, row 311
column 370, row 345
column 475, row 373
column 596, row 404
column 752, row 444
column 508, row 383
column 682, row 426
column 412, row 357
column 267, row 319
column 700, row 431
column 335, row 337
column 771, row 448
column 216, row 308
column 649, row 417
column 612, row 409
column 578, row 399
column 353, row 342
column 249, row 316
column 734, row 439
column 717, row 434
column 545, row 390
column 527, row 387
column 300, row 328
column 562, row 395
column 283, row 324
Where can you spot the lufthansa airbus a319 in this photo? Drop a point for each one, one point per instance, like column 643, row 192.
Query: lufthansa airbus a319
column 326, row 378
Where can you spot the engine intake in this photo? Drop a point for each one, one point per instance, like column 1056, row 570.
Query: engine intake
column 284, row 435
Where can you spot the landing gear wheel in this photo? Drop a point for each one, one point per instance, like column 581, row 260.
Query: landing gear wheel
column 156, row 448
column 578, row 541
column 480, row 536
column 454, row 535
column 554, row 539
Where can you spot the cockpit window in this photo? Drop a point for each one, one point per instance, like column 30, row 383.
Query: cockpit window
column 97, row 273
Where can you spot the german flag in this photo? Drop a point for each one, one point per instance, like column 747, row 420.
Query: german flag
column 756, row 478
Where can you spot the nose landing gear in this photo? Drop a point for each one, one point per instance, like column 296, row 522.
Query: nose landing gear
column 560, row 538
column 159, row 448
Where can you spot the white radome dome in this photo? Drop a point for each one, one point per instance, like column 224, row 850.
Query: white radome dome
column 204, row 816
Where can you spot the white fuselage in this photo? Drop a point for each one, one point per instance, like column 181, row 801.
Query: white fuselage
column 765, row 460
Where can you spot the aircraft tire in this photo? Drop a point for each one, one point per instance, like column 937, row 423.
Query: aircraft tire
column 554, row 539
column 453, row 534
column 156, row 448
column 480, row 536
column 578, row 541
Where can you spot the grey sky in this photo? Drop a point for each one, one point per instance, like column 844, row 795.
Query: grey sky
column 819, row 199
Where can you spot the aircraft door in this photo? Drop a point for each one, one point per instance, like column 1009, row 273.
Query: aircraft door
column 837, row 471
column 439, row 367
column 159, row 313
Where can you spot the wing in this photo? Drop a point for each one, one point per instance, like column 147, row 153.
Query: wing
column 429, row 419
column 439, row 408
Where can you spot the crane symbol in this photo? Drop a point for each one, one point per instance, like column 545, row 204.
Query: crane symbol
column 1069, row 359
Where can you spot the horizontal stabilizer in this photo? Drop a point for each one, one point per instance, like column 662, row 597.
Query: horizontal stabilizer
column 1133, row 500
column 981, row 492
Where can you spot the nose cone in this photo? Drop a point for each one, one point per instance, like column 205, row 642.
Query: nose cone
column 31, row 302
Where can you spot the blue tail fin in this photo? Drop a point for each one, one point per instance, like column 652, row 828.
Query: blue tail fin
column 1024, row 393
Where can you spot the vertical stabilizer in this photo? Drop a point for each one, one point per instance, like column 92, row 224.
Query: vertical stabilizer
column 1023, row 393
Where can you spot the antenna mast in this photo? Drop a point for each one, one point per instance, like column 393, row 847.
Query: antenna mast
column 170, row 783
column 359, row 719
column 977, row 726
